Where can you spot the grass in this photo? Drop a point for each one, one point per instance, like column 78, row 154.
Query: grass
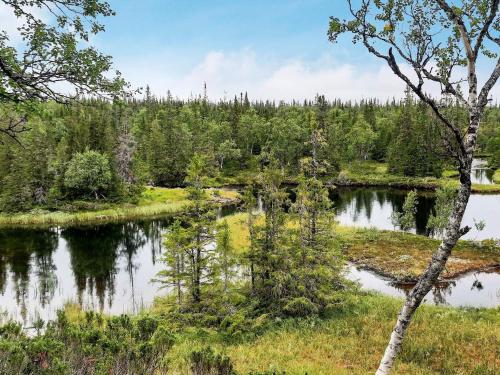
column 402, row 256
column 370, row 173
column 352, row 340
column 405, row 256
column 496, row 176
column 153, row 202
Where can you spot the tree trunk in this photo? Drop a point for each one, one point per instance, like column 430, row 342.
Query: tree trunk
column 430, row 276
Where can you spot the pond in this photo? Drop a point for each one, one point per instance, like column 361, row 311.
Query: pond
column 372, row 207
column 481, row 174
column 110, row 267
column 476, row 289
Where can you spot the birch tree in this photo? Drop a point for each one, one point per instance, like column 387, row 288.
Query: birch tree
column 440, row 43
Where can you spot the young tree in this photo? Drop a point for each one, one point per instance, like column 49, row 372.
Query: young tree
column 405, row 220
column 436, row 39
column 269, row 257
column 225, row 253
column 318, row 264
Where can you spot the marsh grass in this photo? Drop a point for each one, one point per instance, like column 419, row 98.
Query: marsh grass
column 370, row 173
column 153, row 202
column 400, row 255
column 351, row 340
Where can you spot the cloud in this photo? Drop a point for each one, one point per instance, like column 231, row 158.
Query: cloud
column 229, row 73
column 10, row 22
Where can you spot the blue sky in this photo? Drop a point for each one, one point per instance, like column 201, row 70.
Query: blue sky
column 276, row 49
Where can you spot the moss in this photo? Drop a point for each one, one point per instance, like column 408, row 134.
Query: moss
column 405, row 256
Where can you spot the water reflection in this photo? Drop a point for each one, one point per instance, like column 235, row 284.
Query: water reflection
column 475, row 289
column 110, row 267
column 372, row 207
column 106, row 267
column 481, row 174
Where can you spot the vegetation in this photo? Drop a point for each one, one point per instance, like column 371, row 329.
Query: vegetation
column 151, row 142
column 348, row 340
column 152, row 202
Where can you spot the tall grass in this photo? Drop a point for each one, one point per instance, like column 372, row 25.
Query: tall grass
column 351, row 341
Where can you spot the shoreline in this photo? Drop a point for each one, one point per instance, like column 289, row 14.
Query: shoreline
column 151, row 205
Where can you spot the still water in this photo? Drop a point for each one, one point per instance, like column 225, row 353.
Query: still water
column 481, row 174
column 477, row 289
column 110, row 267
column 372, row 207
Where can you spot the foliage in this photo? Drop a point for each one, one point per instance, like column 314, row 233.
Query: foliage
column 88, row 174
column 445, row 199
column 152, row 142
column 405, row 220
column 94, row 344
column 52, row 53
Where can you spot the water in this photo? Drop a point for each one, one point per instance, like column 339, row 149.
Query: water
column 107, row 268
column 475, row 289
column 372, row 207
column 110, row 267
column 481, row 174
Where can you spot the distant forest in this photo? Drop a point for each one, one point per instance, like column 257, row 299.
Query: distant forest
column 124, row 145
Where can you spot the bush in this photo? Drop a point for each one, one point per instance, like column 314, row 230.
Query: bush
column 299, row 307
column 94, row 345
column 205, row 362
column 88, row 175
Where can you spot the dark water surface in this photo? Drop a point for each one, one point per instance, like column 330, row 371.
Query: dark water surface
column 109, row 267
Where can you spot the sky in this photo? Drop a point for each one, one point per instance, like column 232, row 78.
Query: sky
column 274, row 49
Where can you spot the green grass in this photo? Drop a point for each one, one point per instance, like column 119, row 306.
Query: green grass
column 370, row 173
column 352, row 340
column 496, row 176
column 153, row 202
column 400, row 255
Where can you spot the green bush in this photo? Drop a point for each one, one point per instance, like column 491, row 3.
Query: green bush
column 88, row 175
column 300, row 306
column 206, row 362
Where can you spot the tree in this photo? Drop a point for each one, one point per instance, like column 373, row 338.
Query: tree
column 405, row 220
column 361, row 139
column 88, row 173
column 436, row 39
column 227, row 150
column 224, row 253
column 53, row 53
column 270, row 260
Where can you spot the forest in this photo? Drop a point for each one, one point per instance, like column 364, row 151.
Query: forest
column 242, row 230
column 99, row 151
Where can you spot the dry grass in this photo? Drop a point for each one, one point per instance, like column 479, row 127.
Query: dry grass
column 405, row 256
column 440, row 340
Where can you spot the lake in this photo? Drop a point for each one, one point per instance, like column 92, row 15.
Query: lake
column 109, row 267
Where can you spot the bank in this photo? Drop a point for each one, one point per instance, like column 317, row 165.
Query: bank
column 363, row 174
column 398, row 255
column 153, row 202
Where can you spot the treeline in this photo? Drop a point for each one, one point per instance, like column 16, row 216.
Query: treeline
column 101, row 150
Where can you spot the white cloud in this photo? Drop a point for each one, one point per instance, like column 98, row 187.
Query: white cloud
column 228, row 74
column 10, row 23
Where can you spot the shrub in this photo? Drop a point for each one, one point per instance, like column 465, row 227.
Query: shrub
column 300, row 306
column 88, row 175
column 205, row 362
